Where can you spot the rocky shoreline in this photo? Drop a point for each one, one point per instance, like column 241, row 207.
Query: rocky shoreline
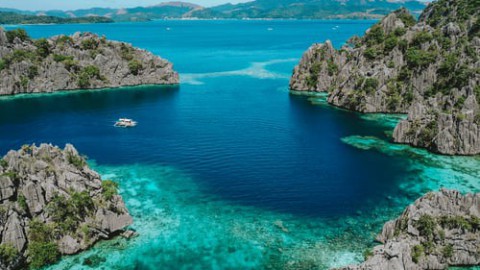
column 428, row 69
column 53, row 204
column 439, row 230
column 80, row 61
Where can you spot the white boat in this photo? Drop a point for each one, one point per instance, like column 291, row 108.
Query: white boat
column 125, row 123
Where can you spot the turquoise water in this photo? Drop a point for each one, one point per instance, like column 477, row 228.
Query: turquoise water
column 227, row 170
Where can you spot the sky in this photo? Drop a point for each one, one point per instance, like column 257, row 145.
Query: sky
column 78, row 4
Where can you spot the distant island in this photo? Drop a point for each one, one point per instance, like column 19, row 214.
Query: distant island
column 81, row 61
column 308, row 9
column 259, row 9
column 16, row 18
column 428, row 69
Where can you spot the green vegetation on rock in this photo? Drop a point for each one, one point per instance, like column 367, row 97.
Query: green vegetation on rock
column 135, row 66
column 87, row 74
column 426, row 226
column 90, row 44
column 42, row 249
column 3, row 163
column 43, row 47
column 8, row 253
column 417, row 58
column 62, row 58
column 110, row 189
column 67, row 213
column 376, row 35
column 22, row 202
column 76, row 161
column 417, row 252
column 371, row 53
column 19, row 33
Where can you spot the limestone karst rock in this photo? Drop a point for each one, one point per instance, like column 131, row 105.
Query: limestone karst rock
column 50, row 198
column 439, row 230
column 81, row 61
column 429, row 69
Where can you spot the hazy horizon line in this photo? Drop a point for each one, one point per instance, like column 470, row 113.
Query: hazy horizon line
column 33, row 9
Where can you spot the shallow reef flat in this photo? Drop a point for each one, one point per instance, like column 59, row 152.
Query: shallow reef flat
column 178, row 222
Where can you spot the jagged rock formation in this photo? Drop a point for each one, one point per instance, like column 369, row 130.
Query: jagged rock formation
column 429, row 69
column 52, row 203
column 82, row 61
column 439, row 230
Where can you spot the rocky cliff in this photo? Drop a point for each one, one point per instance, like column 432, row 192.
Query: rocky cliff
column 52, row 203
column 429, row 69
column 439, row 230
column 81, row 61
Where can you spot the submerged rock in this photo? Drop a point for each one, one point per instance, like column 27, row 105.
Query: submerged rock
column 429, row 69
column 81, row 61
column 52, row 204
column 439, row 230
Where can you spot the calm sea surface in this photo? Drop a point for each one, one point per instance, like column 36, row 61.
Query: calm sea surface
column 227, row 170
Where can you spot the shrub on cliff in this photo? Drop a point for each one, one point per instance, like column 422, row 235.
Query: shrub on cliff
column 71, row 65
column 8, row 253
column 3, row 64
column 417, row 252
column 126, row 52
column 21, row 55
column 376, row 35
column 17, row 33
column 426, row 226
column 32, row 71
column 42, row 254
column 43, row 47
column 75, row 160
column 61, row 57
column 110, row 189
column 390, row 43
column 421, row 38
column 42, row 249
column 407, row 19
column 68, row 212
column 371, row 53
column 90, row 44
column 370, row 85
column 135, row 67
column 3, row 163
column 86, row 74
column 419, row 58
column 62, row 40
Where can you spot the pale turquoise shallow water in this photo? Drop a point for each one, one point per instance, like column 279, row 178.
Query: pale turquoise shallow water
column 229, row 171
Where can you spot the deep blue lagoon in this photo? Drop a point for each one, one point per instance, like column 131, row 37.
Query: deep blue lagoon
column 227, row 170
